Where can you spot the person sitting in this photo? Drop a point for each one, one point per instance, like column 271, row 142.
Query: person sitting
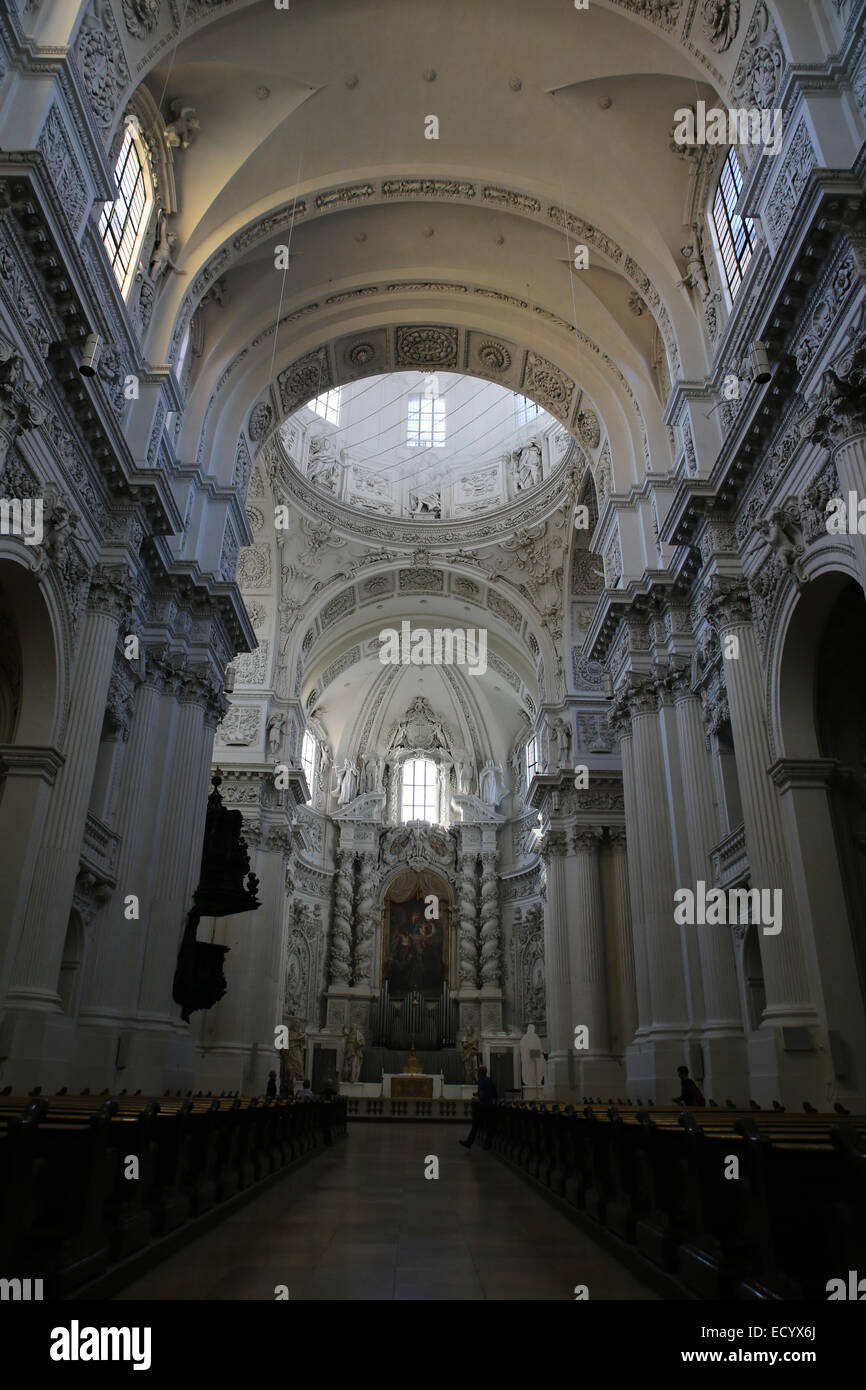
column 690, row 1093
column 304, row 1092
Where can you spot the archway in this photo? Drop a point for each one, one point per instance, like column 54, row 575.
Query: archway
column 823, row 790
column 840, row 698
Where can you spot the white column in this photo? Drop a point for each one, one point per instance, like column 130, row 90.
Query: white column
column 596, row 1068
column 663, row 947
column 618, row 934
column 723, row 1040
column 560, row 1029
column 40, row 948
column 622, row 723
column 108, row 992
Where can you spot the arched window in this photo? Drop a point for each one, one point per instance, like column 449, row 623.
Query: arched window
column 420, row 790
column 123, row 222
column 308, row 761
column 735, row 235
column 531, row 759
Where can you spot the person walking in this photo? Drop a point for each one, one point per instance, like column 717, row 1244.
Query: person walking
column 690, row 1093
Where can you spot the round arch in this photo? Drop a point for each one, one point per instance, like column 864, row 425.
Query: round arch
column 25, row 608
column 794, row 648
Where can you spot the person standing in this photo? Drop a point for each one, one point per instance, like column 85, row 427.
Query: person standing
column 271, row 1088
column 486, row 1096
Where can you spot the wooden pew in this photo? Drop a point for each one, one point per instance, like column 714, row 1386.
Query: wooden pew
column 67, row 1208
column 793, row 1218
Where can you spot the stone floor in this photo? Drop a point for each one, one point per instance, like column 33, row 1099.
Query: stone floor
column 361, row 1221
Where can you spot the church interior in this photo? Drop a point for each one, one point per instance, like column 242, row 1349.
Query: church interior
column 432, row 499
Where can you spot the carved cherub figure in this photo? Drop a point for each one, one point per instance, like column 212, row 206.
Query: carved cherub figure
column 782, row 532
column 178, row 132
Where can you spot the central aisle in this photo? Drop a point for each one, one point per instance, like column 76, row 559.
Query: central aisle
column 361, row 1221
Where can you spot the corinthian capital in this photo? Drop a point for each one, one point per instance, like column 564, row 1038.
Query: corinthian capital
column 584, row 841
column 113, row 591
column 554, row 843
column 725, row 602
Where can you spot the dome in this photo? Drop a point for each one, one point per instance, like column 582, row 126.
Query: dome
column 425, row 446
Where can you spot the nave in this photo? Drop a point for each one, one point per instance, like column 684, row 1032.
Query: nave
column 362, row 1222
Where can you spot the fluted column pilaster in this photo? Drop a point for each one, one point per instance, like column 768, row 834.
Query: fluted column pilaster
column 718, row 968
column 589, row 976
column 40, row 947
column 619, row 933
column 622, row 723
column 557, row 970
column 663, row 945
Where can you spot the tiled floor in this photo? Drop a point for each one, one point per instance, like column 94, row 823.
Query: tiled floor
column 362, row 1222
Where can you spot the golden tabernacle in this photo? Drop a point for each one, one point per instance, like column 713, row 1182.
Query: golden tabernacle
column 413, row 1066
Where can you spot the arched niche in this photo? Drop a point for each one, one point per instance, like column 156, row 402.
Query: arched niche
column 29, row 634
column 793, row 682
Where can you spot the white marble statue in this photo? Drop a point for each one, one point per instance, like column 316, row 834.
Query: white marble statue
column 465, row 777
column 469, row 1055
column 528, row 470
column 354, row 1053
column 296, row 1048
column 560, row 745
column 347, row 782
column 374, row 769
column 531, row 1059
column 489, row 783
column 276, row 729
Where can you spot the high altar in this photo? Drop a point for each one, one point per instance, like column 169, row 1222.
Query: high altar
column 411, row 1083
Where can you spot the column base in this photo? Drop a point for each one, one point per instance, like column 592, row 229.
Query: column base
column 599, row 1076
column 559, row 1078
column 651, row 1069
column 228, row 1068
column 39, row 1047
column 726, row 1069
column 778, row 1073
column 161, row 1059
